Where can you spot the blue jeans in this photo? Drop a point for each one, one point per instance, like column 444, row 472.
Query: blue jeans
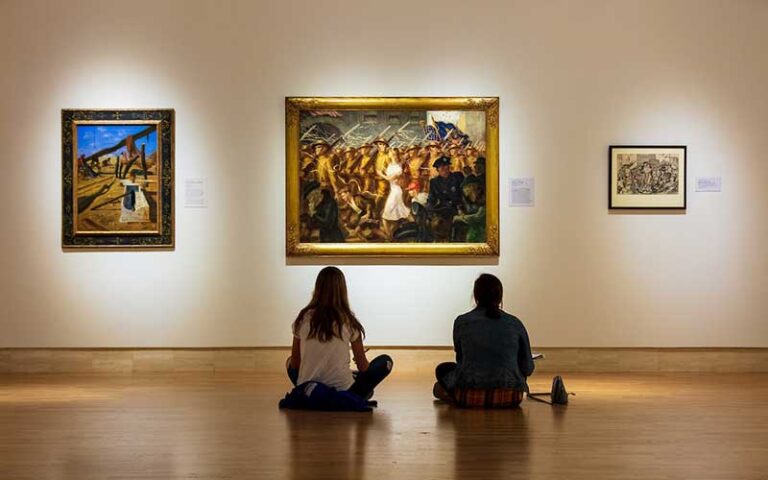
column 378, row 369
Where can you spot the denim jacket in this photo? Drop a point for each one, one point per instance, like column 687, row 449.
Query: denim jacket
column 490, row 352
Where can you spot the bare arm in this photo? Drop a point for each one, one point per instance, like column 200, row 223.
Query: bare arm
column 358, row 352
column 296, row 353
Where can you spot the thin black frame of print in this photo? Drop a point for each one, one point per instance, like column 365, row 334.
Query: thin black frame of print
column 165, row 238
column 684, row 183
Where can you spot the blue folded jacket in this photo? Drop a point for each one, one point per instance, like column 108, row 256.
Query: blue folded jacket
column 318, row 396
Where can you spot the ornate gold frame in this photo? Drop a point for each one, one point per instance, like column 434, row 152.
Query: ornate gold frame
column 293, row 107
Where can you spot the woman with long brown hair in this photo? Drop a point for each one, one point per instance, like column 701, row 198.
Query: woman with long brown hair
column 323, row 332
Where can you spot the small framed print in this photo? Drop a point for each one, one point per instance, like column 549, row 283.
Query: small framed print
column 647, row 177
column 117, row 178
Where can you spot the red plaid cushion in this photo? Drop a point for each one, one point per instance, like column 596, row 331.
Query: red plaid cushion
column 487, row 398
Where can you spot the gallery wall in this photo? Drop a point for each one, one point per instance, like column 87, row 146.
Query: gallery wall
column 573, row 78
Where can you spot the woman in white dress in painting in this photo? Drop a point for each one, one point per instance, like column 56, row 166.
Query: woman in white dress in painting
column 394, row 208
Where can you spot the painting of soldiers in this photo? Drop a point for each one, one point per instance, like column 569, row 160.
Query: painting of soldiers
column 391, row 176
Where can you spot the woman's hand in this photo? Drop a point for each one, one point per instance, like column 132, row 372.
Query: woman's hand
column 358, row 352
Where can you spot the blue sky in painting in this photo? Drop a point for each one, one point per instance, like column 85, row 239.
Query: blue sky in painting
column 92, row 138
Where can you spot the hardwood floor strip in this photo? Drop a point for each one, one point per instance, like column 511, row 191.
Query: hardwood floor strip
column 209, row 425
column 271, row 359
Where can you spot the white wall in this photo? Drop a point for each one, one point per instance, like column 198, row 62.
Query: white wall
column 573, row 77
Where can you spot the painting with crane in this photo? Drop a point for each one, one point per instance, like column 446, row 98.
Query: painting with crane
column 118, row 180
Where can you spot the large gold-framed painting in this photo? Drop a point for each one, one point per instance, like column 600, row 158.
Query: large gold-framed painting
column 117, row 178
column 392, row 176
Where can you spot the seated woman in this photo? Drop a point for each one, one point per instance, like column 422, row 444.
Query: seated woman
column 493, row 354
column 322, row 335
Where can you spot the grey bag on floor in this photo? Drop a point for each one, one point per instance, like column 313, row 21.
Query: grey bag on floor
column 558, row 395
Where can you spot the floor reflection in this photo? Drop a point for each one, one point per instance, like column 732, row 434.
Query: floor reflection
column 487, row 443
column 329, row 444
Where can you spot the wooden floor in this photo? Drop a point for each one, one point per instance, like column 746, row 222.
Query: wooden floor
column 204, row 426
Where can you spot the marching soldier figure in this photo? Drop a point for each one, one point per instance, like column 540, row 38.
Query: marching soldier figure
column 348, row 166
column 325, row 160
column 457, row 159
column 365, row 171
column 307, row 163
column 433, row 152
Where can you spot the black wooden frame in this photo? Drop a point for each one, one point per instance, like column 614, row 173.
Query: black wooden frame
column 685, row 178
column 164, row 239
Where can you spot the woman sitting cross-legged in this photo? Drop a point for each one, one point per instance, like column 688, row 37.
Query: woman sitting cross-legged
column 493, row 354
column 323, row 332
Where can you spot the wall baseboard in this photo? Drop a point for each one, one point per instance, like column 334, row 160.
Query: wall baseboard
column 271, row 360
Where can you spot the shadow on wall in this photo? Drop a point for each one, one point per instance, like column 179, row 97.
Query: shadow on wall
column 644, row 211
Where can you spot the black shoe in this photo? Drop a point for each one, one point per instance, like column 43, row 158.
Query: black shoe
column 440, row 393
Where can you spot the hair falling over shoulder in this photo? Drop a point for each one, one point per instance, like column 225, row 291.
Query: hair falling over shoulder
column 329, row 308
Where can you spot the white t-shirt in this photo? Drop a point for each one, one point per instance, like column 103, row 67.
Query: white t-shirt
column 325, row 362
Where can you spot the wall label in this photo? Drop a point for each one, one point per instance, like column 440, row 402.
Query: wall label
column 521, row 191
column 195, row 193
column 708, row 184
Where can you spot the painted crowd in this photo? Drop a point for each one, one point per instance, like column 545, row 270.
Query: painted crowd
column 390, row 190
column 647, row 175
